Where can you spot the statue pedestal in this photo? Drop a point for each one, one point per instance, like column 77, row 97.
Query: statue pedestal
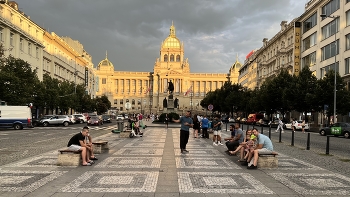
column 170, row 107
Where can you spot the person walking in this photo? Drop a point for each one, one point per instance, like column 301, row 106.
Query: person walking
column 186, row 123
column 294, row 123
column 166, row 121
column 196, row 126
column 303, row 126
column 280, row 125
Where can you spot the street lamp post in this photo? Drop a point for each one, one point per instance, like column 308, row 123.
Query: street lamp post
column 75, row 73
column 335, row 65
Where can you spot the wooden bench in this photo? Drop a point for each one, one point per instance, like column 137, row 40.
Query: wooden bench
column 99, row 146
column 268, row 160
column 69, row 158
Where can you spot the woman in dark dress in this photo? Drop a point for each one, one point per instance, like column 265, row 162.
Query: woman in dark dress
column 196, row 126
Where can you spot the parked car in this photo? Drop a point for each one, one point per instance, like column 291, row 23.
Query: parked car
column 262, row 123
column 106, row 118
column 120, row 117
column 95, row 120
column 36, row 122
column 56, row 120
column 231, row 120
column 243, row 120
column 81, row 117
column 297, row 127
column 337, row 129
column 253, row 118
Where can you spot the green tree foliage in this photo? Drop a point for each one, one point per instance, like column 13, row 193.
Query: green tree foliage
column 102, row 104
column 18, row 82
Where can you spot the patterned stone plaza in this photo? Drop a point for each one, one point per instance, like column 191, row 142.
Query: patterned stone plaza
column 152, row 165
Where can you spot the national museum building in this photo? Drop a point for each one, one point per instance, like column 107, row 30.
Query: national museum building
column 145, row 92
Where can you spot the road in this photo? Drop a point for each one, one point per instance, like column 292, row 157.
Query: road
column 20, row 144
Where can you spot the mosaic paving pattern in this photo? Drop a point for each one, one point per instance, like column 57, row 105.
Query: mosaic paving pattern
column 205, row 163
column 145, row 144
column 105, row 181
column 295, row 164
column 315, row 184
column 136, row 162
column 192, row 145
column 149, row 140
column 200, row 152
column 24, row 181
column 125, row 151
column 37, row 161
column 220, row 182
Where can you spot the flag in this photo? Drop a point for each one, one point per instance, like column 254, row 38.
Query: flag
column 148, row 89
column 188, row 91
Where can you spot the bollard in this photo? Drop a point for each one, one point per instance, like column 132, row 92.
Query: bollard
column 308, row 141
column 262, row 130
column 292, row 144
column 270, row 132
column 280, row 138
column 327, row 146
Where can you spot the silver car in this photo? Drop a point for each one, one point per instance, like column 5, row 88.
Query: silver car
column 56, row 120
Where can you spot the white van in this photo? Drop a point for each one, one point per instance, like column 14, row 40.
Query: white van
column 17, row 117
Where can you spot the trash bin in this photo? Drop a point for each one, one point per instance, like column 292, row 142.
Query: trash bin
column 120, row 125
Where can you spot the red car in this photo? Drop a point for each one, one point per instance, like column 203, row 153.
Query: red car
column 95, row 120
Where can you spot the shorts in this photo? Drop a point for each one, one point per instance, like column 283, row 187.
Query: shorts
column 74, row 147
column 264, row 151
column 217, row 133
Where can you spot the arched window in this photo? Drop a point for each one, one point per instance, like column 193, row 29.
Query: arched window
column 178, row 58
column 165, row 58
column 171, row 58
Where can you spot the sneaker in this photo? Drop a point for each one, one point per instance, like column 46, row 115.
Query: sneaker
column 252, row 167
column 215, row 144
column 276, row 131
column 282, row 131
column 244, row 163
column 186, row 151
column 220, row 143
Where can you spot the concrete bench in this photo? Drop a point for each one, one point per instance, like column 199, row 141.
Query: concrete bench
column 268, row 160
column 69, row 158
column 99, row 146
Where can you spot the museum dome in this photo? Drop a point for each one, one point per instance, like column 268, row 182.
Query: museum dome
column 171, row 41
column 105, row 63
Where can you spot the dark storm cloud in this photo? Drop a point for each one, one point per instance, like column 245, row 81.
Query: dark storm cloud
column 213, row 32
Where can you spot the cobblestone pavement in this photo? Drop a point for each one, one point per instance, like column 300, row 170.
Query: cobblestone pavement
column 152, row 165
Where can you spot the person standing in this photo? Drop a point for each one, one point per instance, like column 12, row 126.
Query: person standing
column 196, row 126
column 217, row 131
column 186, row 122
column 303, row 126
column 205, row 125
column 294, row 124
column 166, row 121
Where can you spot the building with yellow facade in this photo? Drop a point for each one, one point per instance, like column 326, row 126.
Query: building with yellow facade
column 145, row 91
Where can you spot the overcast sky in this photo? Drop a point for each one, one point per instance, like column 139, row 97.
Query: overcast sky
column 214, row 32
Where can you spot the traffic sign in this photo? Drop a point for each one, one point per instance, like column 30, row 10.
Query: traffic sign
column 210, row 107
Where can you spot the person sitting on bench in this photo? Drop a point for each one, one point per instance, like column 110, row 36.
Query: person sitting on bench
column 77, row 143
column 264, row 147
column 88, row 141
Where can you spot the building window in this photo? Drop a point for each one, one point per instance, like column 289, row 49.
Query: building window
column 348, row 18
column 310, row 22
column 139, row 102
column 330, row 50
column 104, row 81
column 165, row 58
column 115, row 101
column 178, row 58
column 347, row 65
column 29, row 48
column 325, row 70
column 330, row 29
column 171, row 58
column 347, row 42
column 21, row 44
column 330, row 7
column 347, row 1
column 37, row 52
column 121, row 101
column 11, row 39
column 309, row 41
column 309, row 60
column 1, row 34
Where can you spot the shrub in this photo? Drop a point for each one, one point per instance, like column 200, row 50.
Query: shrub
column 171, row 116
